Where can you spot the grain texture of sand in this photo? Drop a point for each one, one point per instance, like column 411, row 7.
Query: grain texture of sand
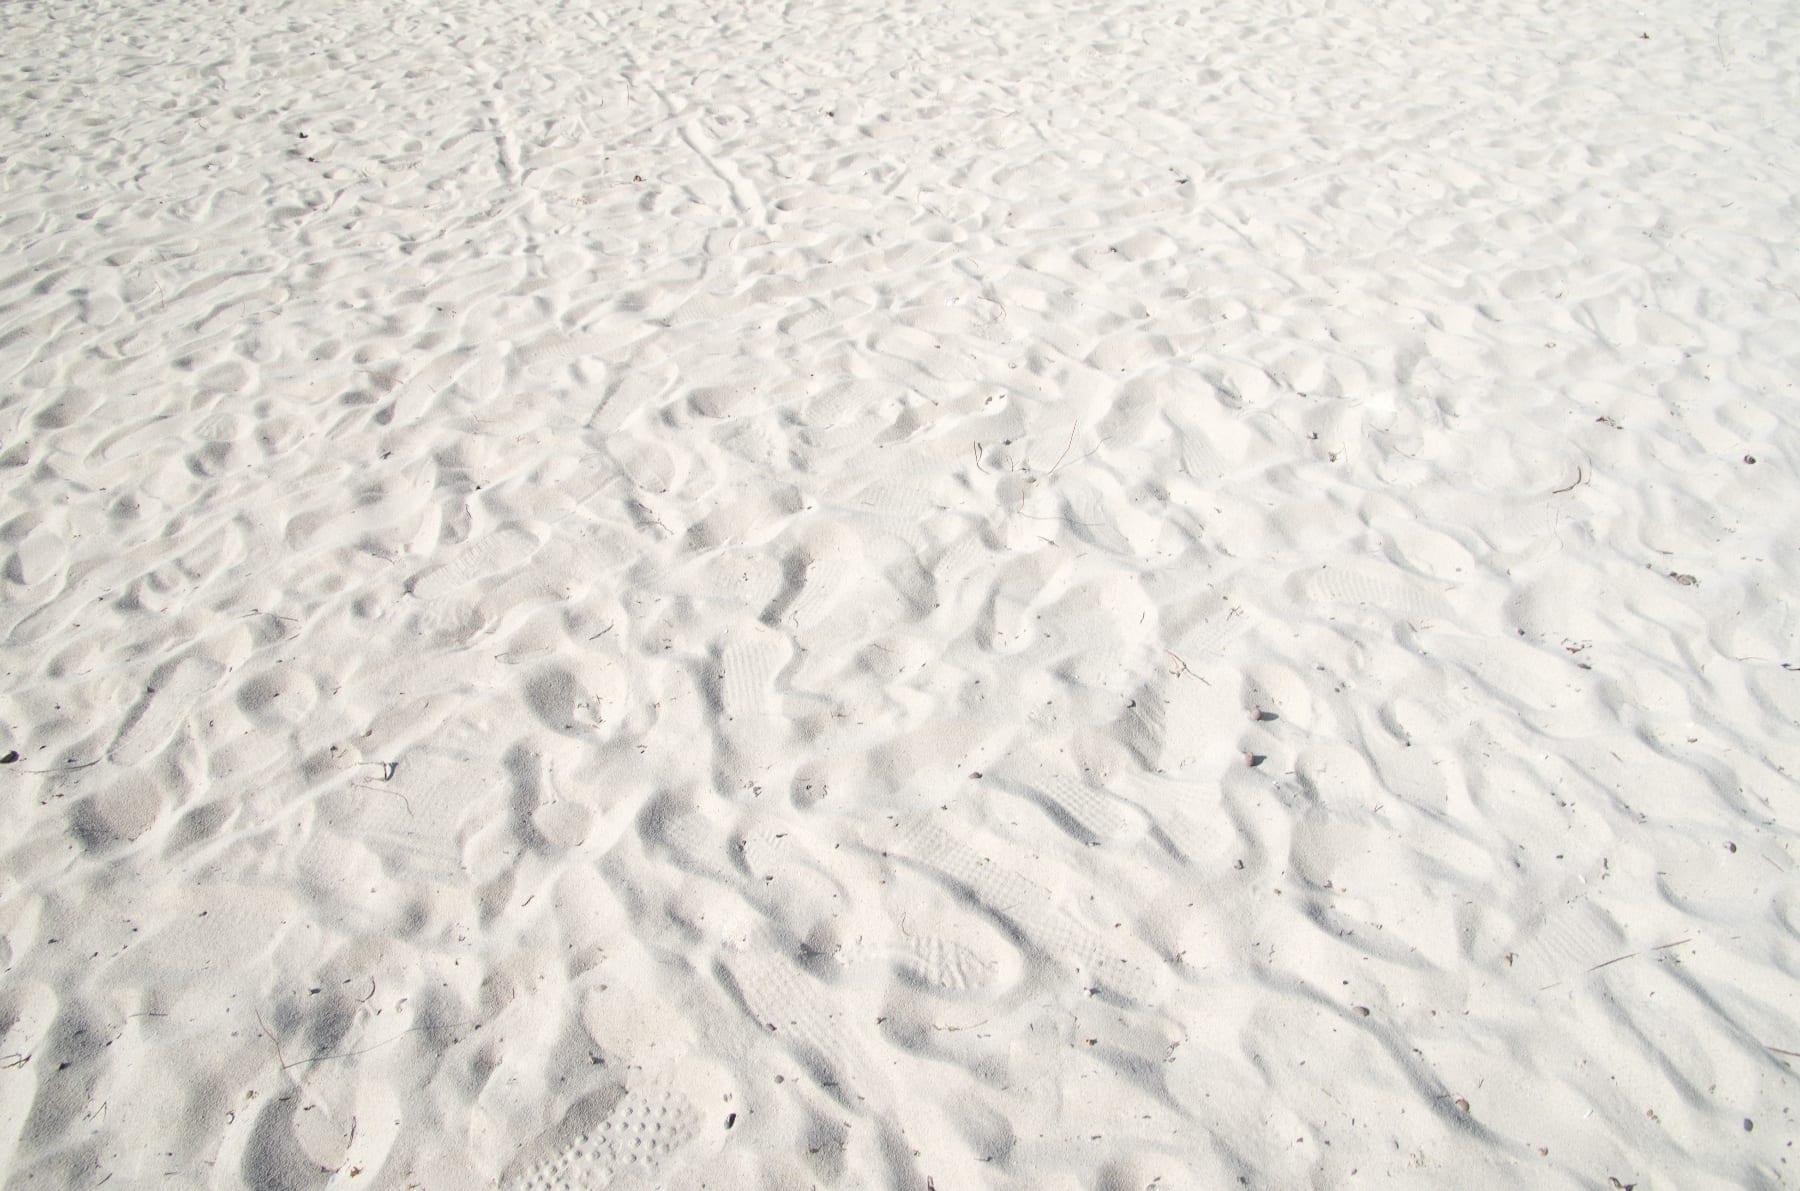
column 920, row 595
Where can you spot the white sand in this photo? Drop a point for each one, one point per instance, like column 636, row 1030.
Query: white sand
column 914, row 594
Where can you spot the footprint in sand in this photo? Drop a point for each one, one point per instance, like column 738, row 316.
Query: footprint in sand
column 166, row 703
column 416, row 815
column 636, row 1137
column 787, row 1003
column 940, row 963
column 821, row 569
column 1030, row 909
column 1021, row 589
column 743, row 676
column 504, row 549
column 1091, row 815
column 820, row 895
column 41, row 555
column 738, row 577
column 749, row 663
column 786, row 874
column 1358, row 585
column 944, row 949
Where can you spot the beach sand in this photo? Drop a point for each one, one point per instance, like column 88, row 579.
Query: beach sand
column 918, row 595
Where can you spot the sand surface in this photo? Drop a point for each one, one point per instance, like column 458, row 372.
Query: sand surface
column 927, row 595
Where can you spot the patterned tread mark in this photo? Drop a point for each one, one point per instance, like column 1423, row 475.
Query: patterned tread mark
column 1089, row 814
column 1566, row 940
column 941, row 962
column 824, row 582
column 1208, row 848
column 1386, row 588
column 1098, row 817
column 785, row 1002
column 419, row 391
column 413, row 821
column 637, row 1144
column 742, row 578
column 849, row 398
column 1030, row 907
column 1206, row 626
column 749, row 660
column 501, row 550
column 793, row 882
column 693, row 840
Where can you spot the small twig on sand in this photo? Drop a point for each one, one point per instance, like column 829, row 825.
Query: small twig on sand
column 1185, row 668
column 379, row 790
column 1580, row 475
column 959, row 1029
column 1622, row 958
column 350, row 1054
column 1065, row 452
column 71, row 767
column 1084, row 455
column 1019, row 512
column 1615, row 960
column 648, row 516
column 273, row 1041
